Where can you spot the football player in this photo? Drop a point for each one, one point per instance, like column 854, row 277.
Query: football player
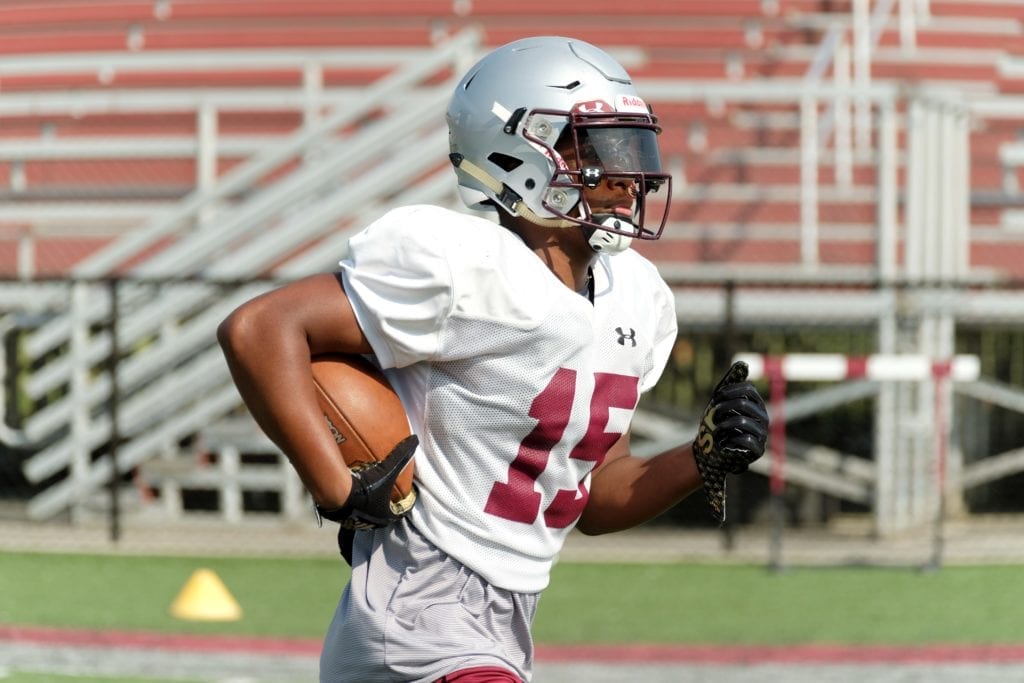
column 519, row 348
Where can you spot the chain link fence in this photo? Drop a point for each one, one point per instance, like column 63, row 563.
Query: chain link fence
column 160, row 403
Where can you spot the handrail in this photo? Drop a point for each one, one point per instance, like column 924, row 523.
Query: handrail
column 241, row 178
column 817, row 129
column 243, row 263
column 205, row 60
column 144, row 311
column 244, row 175
column 147, row 100
column 204, row 371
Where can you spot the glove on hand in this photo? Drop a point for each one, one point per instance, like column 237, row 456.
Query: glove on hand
column 732, row 434
column 369, row 505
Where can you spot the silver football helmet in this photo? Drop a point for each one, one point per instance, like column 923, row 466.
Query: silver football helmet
column 537, row 121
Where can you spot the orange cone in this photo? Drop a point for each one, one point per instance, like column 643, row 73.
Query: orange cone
column 204, row 597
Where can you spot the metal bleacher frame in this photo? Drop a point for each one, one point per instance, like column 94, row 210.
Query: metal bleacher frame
column 169, row 303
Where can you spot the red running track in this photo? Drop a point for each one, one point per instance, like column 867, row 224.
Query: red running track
column 652, row 654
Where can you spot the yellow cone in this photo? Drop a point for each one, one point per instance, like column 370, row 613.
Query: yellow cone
column 204, row 597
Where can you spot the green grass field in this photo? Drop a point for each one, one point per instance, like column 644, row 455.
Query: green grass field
column 586, row 603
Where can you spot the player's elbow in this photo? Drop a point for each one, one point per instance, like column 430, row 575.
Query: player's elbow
column 587, row 530
column 237, row 332
column 591, row 525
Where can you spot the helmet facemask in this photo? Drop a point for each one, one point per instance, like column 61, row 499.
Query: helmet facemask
column 606, row 167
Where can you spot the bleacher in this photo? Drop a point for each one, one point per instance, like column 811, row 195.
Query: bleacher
column 174, row 143
column 86, row 157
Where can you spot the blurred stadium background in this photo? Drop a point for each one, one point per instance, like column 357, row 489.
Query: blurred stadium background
column 848, row 177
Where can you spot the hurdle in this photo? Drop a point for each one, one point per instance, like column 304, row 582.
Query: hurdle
column 830, row 367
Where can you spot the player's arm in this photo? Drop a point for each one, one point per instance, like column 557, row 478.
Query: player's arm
column 626, row 490
column 268, row 342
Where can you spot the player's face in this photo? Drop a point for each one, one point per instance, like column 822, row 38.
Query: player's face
column 607, row 159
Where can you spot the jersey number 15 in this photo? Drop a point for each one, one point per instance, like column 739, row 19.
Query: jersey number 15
column 516, row 499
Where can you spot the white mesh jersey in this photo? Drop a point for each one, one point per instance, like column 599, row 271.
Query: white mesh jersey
column 516, row 385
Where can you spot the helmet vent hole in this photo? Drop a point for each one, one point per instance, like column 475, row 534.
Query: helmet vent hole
column 504, row 161
column 530, row 184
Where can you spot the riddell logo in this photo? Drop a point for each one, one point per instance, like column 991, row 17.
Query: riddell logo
column 632, row 103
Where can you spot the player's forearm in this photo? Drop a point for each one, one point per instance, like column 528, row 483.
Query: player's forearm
column 631, row 490
column 270, row 369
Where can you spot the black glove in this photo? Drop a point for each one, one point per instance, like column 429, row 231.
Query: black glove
column 732, row 434
column 369, row 505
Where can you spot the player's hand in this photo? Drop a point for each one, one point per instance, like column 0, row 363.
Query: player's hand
column 732, row 434
column 369, row 505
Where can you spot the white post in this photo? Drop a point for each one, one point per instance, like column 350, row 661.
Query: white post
column 903, row 455
column 809, row 181
column 960, row 167
column 230, row 488
column 916, row 193
column 206, row 157
column 955, row 264
column 80, row 463
column 932, row 158
column 170, row 499
column 312, row 93
column 862, row 71
column 26, row 255
column 886, row 430
column 18, row 177
column 843, row 166
column 904, row 407
column 908, row 26
column 886, row 424
column 949, row 189
column 934, row 238
column 923, row 418
column 924, row 11
column 953, row 465
column 886, row 179
column 294, row 502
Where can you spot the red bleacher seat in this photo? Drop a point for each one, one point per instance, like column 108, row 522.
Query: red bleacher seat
column 691, row 40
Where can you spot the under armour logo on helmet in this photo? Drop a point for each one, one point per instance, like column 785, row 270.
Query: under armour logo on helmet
column 624, row 337
column 591, row 176
column 593, row 107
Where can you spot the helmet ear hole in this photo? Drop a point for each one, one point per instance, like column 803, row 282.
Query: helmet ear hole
column 504, row 161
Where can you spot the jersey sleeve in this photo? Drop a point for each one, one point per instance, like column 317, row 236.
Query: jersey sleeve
column 398, row 281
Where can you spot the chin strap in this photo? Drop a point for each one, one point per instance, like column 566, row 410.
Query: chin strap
column 509, row 199
column 601, row 241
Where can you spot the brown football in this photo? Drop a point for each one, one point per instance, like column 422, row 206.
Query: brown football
column 363, row 412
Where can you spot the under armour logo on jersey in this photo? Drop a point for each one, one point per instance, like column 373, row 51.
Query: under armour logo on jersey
column 626, row 336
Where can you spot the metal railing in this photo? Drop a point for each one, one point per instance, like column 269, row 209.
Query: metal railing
column 178, row 382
